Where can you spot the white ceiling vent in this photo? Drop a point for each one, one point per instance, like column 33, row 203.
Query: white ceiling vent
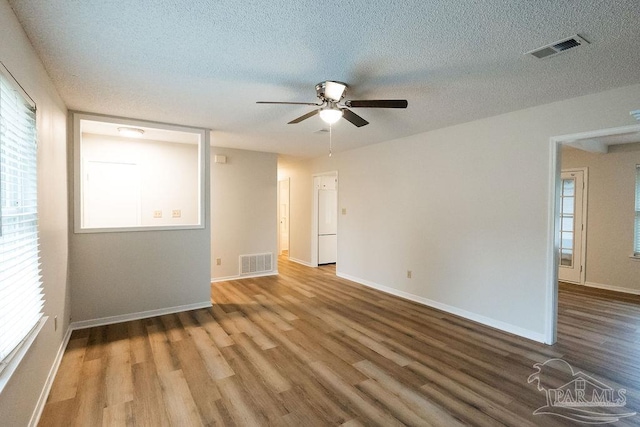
column 636, row 114
column 254, row 264
column 558, row 47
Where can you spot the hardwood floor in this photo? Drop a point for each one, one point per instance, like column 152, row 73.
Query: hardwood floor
column 307, row 348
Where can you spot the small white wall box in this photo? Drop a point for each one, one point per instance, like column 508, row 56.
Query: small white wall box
column 220, row 159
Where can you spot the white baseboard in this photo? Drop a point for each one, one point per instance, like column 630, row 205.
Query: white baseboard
column 299, row 261
column 244, row 276
column 612, row 288
column 44, row 394
column 487, row 321
column 135, row 316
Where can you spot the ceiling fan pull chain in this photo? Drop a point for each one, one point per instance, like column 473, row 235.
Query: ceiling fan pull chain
column 330, row 142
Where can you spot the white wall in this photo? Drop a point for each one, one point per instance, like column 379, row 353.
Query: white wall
column 19, row 398
column 466, row 208
column 610, row 215
column 123, row 273
column 168, row 174
column 243, row 208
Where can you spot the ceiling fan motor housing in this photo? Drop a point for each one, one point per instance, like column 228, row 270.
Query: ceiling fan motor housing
column 331, row 90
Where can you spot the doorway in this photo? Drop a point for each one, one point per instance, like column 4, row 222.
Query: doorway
column 284, row 199
column 595, row 142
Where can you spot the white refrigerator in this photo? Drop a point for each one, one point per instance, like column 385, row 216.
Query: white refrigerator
column 327, row 226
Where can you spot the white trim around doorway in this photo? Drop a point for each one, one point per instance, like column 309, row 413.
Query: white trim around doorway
column 553, row 221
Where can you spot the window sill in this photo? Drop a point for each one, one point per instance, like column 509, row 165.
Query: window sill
column 21, row 351
column 79, row 230
column 635, row 257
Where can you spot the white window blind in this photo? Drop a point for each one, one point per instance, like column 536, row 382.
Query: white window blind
column 21, row 298
column 636, row 247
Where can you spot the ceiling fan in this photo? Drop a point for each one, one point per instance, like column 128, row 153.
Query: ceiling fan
column 332, row 107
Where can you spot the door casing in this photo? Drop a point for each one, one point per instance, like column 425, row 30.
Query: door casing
column 553, row 225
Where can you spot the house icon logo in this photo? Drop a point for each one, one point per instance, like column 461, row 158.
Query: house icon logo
column 577, row 396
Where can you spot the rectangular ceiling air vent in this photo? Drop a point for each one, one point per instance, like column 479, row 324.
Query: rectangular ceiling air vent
column 558, row 47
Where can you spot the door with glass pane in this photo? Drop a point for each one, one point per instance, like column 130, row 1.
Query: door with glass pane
column 571, row 251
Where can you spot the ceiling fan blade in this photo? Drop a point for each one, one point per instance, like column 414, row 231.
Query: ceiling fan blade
column 353, row 118
column 377, row 103
column 288, row 103
column 305, row 117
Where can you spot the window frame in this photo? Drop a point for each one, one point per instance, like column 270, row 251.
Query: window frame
column 78, row 117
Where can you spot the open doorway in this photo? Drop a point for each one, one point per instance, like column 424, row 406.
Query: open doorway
column 606, row 247
column 284, row 200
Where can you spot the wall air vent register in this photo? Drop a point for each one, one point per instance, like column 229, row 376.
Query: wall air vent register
column 256, row 263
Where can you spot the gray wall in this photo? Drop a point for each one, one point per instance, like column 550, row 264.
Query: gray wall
column 243, row 208
column 124, row 273
column 466, row 208
column 116, row 274
column 610, row 215
column 21, row 394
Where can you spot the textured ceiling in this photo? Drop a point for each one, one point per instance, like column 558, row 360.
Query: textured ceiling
column 205, row 63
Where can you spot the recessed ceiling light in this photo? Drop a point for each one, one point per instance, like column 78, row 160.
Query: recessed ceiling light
column 130, row 132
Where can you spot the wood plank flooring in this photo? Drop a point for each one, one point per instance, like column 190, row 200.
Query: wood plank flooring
column 307, row 348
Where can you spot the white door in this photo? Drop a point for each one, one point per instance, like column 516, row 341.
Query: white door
column 284, row 215
column 111, row 195
column 571, row 252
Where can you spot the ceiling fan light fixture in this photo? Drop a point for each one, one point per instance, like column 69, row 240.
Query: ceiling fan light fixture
column 130, row 132
column 330, row 96
column 330, row 115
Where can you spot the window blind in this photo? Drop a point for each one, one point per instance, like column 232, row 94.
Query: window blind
column 21, row 298
column 636, row 247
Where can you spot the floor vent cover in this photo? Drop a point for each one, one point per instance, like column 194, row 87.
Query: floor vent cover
column 256, row 263
column 558, row 47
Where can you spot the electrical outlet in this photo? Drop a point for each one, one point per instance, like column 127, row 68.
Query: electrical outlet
column 344, row 211
column 218, row 261
column 409, row 274
column 157, row 214
column 176, row 213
